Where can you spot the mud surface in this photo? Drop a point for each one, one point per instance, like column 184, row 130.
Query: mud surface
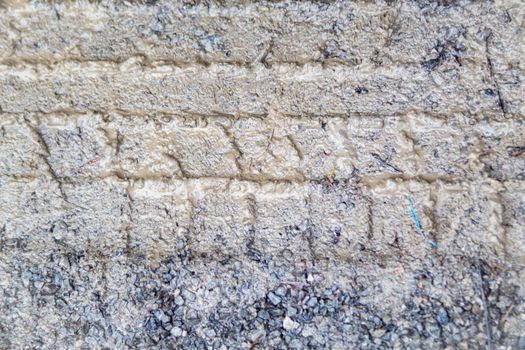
column 254, row 175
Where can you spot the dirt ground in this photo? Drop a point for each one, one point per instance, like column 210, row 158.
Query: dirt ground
column 262, row 175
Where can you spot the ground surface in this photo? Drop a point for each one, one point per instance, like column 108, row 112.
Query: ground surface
column 240, row 175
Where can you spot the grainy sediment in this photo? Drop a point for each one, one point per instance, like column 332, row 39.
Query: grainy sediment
column 253, row 175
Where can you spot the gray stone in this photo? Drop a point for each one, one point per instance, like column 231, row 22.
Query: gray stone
column 274, row 299
column 263, row 314
column 176, row 332
column 312, row 302
column 281, row 291
column 291, row 311
column 442, row 316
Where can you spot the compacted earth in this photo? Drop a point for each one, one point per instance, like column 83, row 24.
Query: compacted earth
column 244, row 174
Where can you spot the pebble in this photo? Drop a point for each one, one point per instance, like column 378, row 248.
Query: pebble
column 289, row 324
column 308, row 331
column 291, row 311
column 263, row 314
column 442, row 316
column 377, row 321
column 310, row 278
column 274, row 299
column 281, row 291
column 378, row 333
column 188, row 295
column 296, row 344
column 312, row 302
column 176, row 332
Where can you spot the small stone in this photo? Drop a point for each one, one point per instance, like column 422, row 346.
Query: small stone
column 166, row 277
column 312, row 302
column 291, row 311
column 176, row 332
column 244, row 313
column 179, row 300
column 377, row 321
column 188, row 295
column 378, row 333
column 274, row 299
column 276, row 312
column 308, row 331
column 289, row 324
column 310, row 278
column 263, row 314
column 178, row 312
column 442, row 316
column 281, row 291
column 162, row 317
column 296, row 344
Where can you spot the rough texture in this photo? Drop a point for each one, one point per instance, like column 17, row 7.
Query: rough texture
column 252, row 175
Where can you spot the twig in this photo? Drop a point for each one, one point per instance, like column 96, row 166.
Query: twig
column 89, row 162
column 507, row 314
column 501, row 101
column 385, row 163
column 255, row 341
column 486, row 316
column 418, row 224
